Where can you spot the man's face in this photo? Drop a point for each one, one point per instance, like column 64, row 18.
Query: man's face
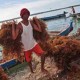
column 25, row 16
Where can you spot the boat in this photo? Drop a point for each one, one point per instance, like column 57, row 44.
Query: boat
column 68, row 30
column 63, row 33
column 8, row 64
column 54, row 17
column 77, row 15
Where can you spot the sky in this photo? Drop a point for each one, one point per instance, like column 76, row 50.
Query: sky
column 11, row 8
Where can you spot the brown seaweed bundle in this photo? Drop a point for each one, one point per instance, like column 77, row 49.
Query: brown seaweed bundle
column 9, row 45
column 65, row 50
column 43, row 35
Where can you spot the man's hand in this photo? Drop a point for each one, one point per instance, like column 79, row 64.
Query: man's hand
column 35, row 19
column 36, row 25
column 13, row 23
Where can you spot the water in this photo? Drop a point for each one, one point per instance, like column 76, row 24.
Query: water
column 1, row 57
column 58, row 24
column 62, row 24
column 1, row 53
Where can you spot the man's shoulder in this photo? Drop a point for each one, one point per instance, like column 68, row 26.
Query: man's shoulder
column 19, row 24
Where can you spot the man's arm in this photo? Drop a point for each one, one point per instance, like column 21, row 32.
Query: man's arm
column 36, row 26
column 15, row 32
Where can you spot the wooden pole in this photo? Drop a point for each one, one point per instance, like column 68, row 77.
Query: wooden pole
column 41, row 13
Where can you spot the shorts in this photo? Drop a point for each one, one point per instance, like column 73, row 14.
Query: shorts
column 37, row 49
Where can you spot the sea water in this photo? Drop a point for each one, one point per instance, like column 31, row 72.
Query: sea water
column 1, row 53
column 62, row 24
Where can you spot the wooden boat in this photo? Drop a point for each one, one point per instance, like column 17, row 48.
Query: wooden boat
column 64, row 32
column 8, row 64
column 68, row 30
column 77, row 15
column 53, row 17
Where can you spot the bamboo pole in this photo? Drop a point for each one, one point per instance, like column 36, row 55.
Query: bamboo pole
column 42, row 12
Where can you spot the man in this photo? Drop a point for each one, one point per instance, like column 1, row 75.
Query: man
column 30, row 45
column 73, row 10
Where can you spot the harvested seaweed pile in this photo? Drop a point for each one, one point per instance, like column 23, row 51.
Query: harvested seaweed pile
column 6, row 39
column 43, row 35
column 63, row 49
column 66, row 50
column 11, row 48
